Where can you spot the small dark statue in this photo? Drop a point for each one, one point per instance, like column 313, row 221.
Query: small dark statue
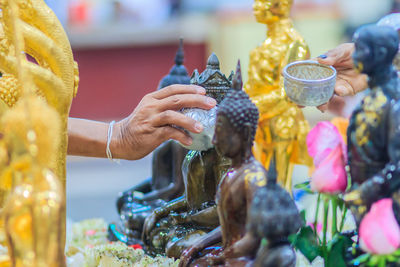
column 175, row 226
column 166, row 182
column 374, row 129
column 274, row 216
column 243, row 197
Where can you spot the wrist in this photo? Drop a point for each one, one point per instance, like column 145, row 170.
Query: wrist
column 117, row 142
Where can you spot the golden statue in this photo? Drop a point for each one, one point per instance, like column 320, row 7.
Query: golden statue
column 34, row 211
column 282, row 126
column 56, row 73
column 53, row 72
column 32, row 135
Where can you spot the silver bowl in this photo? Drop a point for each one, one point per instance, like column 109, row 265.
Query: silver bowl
column 203, row 140
column 309, row 83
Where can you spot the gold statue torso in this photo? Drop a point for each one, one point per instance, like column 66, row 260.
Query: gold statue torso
column 56, row 73
column 30, row 28
column 282, row 126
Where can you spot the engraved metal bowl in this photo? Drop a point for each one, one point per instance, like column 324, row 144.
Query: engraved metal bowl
column 309, row 83
column 203, row 140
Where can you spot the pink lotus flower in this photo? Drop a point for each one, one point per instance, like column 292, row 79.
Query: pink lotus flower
column 379, row 230
column 326, row 146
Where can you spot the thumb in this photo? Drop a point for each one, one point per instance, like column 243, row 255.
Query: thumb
column 327, row 59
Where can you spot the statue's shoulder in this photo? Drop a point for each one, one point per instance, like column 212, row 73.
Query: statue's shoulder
column 256, row 175
column 298, row 48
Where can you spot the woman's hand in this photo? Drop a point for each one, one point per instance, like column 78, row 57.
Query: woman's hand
column 349, row 81
column 150, row 124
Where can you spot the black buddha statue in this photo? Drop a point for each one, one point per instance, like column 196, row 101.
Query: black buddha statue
column 166, row 182
column 374, row 129
column 175, row 226
column 274, row 216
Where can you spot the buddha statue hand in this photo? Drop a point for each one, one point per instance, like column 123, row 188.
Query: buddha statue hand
column 179, row 218
column 373, row 189
column 189, row 254
column 151, row 221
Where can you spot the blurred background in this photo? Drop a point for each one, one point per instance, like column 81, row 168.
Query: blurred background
column 124, row 47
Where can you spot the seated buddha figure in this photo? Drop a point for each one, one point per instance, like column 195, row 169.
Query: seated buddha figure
column 274, row 216
column 175, row 226
column 166, row 182
column 237, row 118
column 282, row 126
column 374, row 128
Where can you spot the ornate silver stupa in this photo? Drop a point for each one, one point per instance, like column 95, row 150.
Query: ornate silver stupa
column 217, row 85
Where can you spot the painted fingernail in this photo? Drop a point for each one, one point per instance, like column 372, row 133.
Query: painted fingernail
column 198, row 127
column 322, row 56
column 211, row 101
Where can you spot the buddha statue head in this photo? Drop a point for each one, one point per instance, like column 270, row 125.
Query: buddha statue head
column 237, row 119
column 393, row 21
column 217, row 85
column 273, row 213
column 375, row 48
column 178, row 73
column 270, row 11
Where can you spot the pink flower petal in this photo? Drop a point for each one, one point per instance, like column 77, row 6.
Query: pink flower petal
column 321, row 139
column 379, row 230
column 330, row 176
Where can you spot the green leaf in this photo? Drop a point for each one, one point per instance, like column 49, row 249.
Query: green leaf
column 392, row 258
column 361, row 259
column 396, row 253
column 302, row 185
column 374, row 260
column 303, row 215
column 306, row 242
column 337, row 249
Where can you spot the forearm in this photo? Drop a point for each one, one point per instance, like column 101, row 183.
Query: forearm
column 206, row 217
column 247, row 246
column 178, row 204
column 89, row 138
column 211, row 238
column 162, row 193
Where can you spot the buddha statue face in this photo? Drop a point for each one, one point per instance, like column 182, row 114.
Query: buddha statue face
column 237, row 119
column 270, row 11
column 227, row 141
column 375, row 47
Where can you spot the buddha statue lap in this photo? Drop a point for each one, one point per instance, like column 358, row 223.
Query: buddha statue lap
column 374, row 129
column 166, row 182
column 282, row 127
column 175, row 226
column 238, row 193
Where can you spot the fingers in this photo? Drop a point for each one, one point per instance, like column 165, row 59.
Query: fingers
column 359, row 83
column 178, row 89
column 339, row 56
column 179, row 101
column 323, row 107
column 343, row 88
column 168, row 132
column 170, row 117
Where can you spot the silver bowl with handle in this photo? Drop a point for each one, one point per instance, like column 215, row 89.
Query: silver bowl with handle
column 309, row 83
